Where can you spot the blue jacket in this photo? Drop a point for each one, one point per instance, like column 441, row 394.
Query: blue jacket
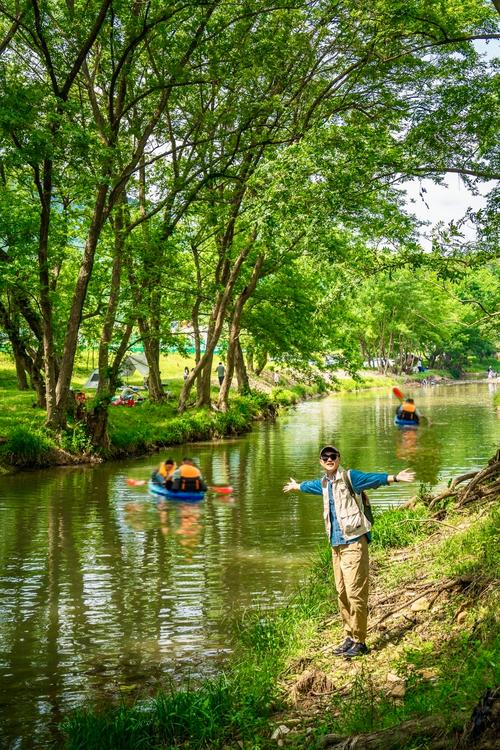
column 360, row 481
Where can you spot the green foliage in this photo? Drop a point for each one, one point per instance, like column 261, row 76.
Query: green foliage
column 27, row 445
column 473, row 552
column 399, row 527
column 76, row 440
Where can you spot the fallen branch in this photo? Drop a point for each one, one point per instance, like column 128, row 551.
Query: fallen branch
column 435, row 727
column 431, row 589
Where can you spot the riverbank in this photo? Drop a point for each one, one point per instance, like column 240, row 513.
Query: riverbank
column 433, row 640
column 147, row 428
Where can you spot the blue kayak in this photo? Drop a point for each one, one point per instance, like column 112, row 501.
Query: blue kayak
column 185, row 497
column 405, row 423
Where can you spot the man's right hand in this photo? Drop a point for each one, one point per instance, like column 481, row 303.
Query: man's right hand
column 291, row 485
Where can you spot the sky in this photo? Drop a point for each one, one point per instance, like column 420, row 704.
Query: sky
column 445, row 203
column 450, row 201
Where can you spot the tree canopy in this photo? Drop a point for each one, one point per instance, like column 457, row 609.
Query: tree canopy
column 237, row 168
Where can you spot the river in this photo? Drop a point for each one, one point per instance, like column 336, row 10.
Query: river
column 104, row 591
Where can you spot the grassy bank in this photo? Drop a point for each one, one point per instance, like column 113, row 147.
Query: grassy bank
column 25, row 443
column 434, row 650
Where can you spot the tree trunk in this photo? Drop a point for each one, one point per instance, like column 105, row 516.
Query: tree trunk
column 218, row 316
column 31, row 364
column 152, row 352
column 97, row 422
column 250, row 362
column 110, row 317
column 55, row 419
column 241, row 371
column 22, row 380
column 261, row 362
column 396, row 737
column 58, row 415
column 234, row 333
column 97, row 419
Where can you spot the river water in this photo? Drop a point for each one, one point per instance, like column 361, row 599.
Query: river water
column 104, row 591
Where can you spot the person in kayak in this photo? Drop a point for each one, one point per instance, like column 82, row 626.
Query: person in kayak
column 348, row 531
column 408, row 411
column 188, row 478
column 163, row 474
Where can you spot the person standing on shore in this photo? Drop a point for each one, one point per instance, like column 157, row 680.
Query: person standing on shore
column 348, row 531
column 221, row 371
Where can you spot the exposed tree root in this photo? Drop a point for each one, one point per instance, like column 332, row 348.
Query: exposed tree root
column 483, row 484
column 435, row 727
column 480, row 732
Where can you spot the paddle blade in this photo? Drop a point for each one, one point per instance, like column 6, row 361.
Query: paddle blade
column 222, row 490
column 398, row 393
column 136, row 482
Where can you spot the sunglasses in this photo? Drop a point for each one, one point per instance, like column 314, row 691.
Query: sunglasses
column 328, row 456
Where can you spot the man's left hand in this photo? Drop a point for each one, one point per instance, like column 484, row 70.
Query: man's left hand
column 407, row 475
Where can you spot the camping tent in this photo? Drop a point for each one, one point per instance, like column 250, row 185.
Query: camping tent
column 130, row 364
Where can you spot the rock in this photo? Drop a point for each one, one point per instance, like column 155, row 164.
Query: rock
column 279, row 732
column 396, row 687
column 428, row 674
column 421, row 605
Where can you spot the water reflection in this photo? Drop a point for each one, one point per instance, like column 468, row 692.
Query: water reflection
column 104, row 591
column 422, row 450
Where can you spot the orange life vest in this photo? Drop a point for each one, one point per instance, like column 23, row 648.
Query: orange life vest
column 409, row 412
column 188, row 479
column 166, row 471
column 407, row 406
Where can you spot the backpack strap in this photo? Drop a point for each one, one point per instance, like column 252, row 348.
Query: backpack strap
column 346, row 476
column 367, row 508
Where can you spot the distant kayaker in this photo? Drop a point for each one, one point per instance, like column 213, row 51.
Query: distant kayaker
column 163, row 475
column 348, row 531
column 188, row 478
column 408, row 411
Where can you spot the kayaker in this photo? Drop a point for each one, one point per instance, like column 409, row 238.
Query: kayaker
column 348, row 531
column 163, row 475
column 188, row 478
column 408, row 411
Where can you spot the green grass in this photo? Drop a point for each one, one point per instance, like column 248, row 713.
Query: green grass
column 463, row 659
column 399, row 527
column 475, row 552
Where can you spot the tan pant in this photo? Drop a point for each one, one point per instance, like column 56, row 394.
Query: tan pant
column 350, row 568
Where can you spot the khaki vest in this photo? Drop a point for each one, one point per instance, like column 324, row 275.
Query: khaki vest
column 349, row 509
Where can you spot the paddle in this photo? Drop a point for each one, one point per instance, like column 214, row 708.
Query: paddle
column 222, row 490
column 136, row 482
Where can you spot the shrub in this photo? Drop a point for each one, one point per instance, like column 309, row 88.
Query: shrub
column 26, row 445
column 399, row 527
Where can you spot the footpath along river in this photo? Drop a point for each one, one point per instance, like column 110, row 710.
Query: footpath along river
column 103, row 590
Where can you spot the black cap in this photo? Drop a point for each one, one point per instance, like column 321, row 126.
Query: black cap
column 329, row 448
